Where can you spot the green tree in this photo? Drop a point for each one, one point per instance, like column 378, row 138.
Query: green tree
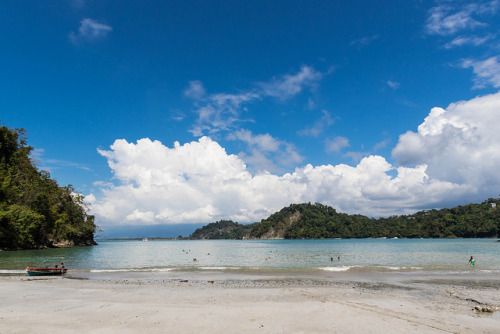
column 34, row 211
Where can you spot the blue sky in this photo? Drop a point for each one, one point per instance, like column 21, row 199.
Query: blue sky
column 164, row 112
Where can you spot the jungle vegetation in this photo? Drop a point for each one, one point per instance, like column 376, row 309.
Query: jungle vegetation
column 318, row 221
column 35, row 212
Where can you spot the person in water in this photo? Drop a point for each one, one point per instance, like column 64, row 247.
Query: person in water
column 472, row 261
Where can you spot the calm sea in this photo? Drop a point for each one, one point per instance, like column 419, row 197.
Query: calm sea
column 356, row 255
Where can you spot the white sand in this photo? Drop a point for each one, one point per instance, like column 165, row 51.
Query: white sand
column 56, row 305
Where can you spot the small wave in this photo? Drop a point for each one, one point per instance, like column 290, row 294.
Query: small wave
column 109, row 270
column 131, row 270
column 12, row 271
column 343, row 268
column 402, row 268
column 371, row 268
column 218, row 268
column 489, row 271
column 157, row 269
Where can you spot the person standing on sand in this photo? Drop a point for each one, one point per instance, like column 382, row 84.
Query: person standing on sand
column 472, row 261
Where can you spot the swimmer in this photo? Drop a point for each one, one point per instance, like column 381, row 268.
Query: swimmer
column 472, row 261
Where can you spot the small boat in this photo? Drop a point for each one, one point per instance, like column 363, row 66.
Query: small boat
column 43, row 271
column 145, row 239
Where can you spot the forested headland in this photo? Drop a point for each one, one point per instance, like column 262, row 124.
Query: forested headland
column 35, row 212
column 318, row 221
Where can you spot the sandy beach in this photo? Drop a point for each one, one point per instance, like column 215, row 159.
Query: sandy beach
column 56, row 304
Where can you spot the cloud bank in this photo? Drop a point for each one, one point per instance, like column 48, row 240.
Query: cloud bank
column 454, row 153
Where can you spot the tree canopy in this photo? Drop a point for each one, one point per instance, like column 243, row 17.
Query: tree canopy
column 223, row 229
column 318, row 221
column 35, row 211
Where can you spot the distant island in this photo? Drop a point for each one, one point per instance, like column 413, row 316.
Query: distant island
column 318, row 221
column 35, row 212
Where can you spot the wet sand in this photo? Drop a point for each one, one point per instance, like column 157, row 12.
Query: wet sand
column 227, row 304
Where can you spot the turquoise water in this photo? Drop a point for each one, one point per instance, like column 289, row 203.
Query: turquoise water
column 288, row 255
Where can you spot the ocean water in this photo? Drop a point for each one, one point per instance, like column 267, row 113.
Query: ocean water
column 266, row 256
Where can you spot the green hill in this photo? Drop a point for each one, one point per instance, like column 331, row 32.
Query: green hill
column 35, row 212
column 318, row 221
column 224, row 229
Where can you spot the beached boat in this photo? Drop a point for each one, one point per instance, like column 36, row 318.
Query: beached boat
column 42, row 271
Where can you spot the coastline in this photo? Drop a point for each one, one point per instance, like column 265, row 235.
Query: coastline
column 190, row 302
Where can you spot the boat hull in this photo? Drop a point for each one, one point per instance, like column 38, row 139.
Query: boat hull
column 45, row 271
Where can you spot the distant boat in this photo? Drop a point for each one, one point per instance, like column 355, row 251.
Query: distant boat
column 32, row 271
column 145, row 239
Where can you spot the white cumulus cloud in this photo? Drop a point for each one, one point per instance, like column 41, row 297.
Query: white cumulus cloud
column 200, row 182
column 459, row 144
column 453, row 157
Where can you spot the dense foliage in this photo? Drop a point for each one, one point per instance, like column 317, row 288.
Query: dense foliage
column 34, row 211
column 224, row 229
column 468, row 221
column 318, row 221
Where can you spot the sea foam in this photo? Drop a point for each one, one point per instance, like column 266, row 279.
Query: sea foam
column 342, row 268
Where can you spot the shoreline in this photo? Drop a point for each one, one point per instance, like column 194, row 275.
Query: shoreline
column 260, row 304
column 389, row 277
